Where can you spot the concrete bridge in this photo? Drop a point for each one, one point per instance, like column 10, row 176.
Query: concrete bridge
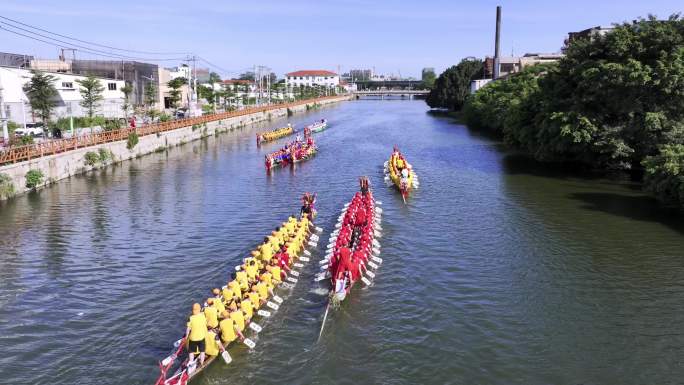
column 387, row 93
column 392, row 92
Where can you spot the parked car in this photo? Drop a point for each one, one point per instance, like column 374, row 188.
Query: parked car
column 32, row 129
column 180, row 114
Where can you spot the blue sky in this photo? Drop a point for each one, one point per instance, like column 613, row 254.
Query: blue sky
column 392, row 36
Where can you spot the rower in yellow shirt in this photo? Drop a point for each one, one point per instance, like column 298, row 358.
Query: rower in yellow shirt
column 211, row 314
column 241, row 278
column 229, row 329
column 227, row 294
column 237, row 316
column 275, row 271
column 266, row 251
column 305, row 222
column 251, row 270
column 255, row 298
column 218, row 303
column 234, row 285
column 293, row 248
column 274, row 241
column 266, row 278
column 247, row 308
column 196, row 333
column 291, row 226
column 212, row 343
column 262, row 291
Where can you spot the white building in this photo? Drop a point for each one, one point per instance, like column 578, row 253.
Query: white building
column 183, row 71
column 312, row 78
column 349, row 87
column 67, row 101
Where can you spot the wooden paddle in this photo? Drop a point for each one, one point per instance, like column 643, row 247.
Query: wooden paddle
column 325, row 316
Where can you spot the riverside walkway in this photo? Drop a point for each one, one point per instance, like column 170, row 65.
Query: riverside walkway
column 52, row 147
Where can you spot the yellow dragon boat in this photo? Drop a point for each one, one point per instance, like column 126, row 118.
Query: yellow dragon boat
column 400, row 172
column 274, row 134
column 299, row 237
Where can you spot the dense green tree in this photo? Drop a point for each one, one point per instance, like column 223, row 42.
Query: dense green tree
column 206, row 93
column 127, row 91
column 151, row 99
column 617, row 98
column 453, row 86
column 665, row 174
column 175, row 94
column 249, row 75
column 428, row 77
column 41, row 92
column 214, row 78
column 507, row 106
column 616, row 101
column 91, row 95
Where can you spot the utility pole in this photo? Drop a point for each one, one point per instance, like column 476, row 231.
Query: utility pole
column 194, row 77
column 256, row 85
column 3, row 119
column 268, row 84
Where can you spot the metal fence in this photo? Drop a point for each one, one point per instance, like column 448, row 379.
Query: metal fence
column 52, row 147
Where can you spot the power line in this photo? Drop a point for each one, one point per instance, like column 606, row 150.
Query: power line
column 221, row 69
column 50, row 43
column 89, row 49
column 91, row 43
column 11, row 28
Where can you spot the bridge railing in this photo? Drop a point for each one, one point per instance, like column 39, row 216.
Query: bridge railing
column 56, row 146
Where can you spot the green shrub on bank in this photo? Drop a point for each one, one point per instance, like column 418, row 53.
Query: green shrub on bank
column 132, row 140
column 665, row 175
column 6, row 186
column 26, row 139
column 64, row 124
column 11, row 126
column 105, row 155
column 34, row 178
column 91, row 158
column 111, row 125
column 102, row 155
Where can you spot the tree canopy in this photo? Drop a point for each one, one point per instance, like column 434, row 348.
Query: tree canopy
column 428, row 77
column 91, row 94
column 617, row 98
column 249, row 75
column 616, row 101
column 214, row 78
column 175, row 93
column 127, row 91
column 453, row 86
column 41, row 92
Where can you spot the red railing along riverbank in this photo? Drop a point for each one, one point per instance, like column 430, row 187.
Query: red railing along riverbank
column 52, row 147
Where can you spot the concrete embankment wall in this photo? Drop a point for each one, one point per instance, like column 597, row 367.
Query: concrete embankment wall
column 64, row 165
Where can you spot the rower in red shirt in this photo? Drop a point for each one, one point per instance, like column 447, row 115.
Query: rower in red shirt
column 283, row 259
column 360, row 219
column 344, row 264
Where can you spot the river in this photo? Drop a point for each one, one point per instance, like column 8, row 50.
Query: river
column 497, row 271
